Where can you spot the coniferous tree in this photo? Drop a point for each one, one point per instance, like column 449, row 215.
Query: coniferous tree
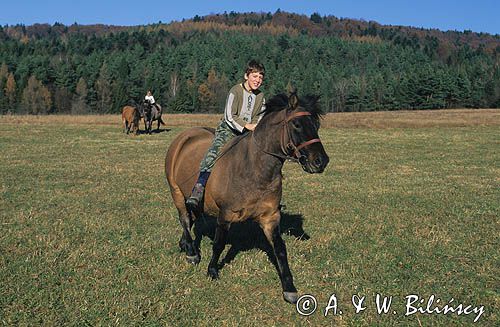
column 65, row 76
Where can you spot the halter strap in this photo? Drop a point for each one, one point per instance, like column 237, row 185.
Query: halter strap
column 307, row 143
column 290, row 146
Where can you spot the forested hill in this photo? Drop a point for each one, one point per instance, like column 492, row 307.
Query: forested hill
column 190, row 65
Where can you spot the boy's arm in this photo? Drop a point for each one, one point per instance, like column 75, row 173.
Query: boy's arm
column 262, row 109
column 251, row 126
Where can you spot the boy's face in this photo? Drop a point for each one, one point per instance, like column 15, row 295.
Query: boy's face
column 254, row 80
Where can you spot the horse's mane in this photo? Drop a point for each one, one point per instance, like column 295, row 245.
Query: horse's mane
column 280, row 102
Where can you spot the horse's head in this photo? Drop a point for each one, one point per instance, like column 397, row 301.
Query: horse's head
column 146, row 108
column 302, row 122
column 299, row 140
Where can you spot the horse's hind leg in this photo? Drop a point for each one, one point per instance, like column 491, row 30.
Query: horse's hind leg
column 186, row 243
column 272, row 232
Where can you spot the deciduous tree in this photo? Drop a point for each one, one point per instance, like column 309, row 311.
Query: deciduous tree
column 36, row 97
column 79, row 105
column 10, row 92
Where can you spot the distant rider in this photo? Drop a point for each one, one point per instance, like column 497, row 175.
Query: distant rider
column 150, row 98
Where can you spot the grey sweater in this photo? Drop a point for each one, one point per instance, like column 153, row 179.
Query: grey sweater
column 243, row 107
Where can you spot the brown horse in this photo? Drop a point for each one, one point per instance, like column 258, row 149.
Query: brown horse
column 130, row 119
column 246, row 181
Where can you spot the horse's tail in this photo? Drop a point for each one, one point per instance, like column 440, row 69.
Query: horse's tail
column 161, row 121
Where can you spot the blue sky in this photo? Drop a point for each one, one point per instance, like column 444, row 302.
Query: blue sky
column 475, row 15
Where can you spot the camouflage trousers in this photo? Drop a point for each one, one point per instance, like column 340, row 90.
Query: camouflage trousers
column 223, row 133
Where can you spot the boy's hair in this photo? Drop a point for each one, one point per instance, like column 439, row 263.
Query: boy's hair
column 254, row 66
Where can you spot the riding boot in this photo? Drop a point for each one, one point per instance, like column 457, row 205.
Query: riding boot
column 196, row 197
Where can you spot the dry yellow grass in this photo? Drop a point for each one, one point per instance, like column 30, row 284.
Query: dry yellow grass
column 415, row 119
column 380, row 119
column 172, row 120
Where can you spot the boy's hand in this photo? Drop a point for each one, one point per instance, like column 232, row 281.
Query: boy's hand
column 250, row 127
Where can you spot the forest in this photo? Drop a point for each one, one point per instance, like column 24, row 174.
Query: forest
column 189, row 66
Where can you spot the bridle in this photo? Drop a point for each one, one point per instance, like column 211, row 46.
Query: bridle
column 285, row 149
column 288, row 146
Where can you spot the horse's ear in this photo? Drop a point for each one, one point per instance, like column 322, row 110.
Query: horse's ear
column 315, row 98
column 293, row 101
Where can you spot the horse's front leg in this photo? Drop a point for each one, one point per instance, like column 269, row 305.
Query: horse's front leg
column 270, row 226
column 217, row 248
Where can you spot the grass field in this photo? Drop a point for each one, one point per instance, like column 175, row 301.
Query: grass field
column 408, row 205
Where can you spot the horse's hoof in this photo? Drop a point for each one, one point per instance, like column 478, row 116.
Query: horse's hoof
column 182, row 247
column 193, row 259
column 213, row 273
column 290, row 297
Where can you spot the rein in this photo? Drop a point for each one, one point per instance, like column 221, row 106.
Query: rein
column 290, row 146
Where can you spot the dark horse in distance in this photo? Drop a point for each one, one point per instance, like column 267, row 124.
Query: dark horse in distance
column 246, row 181
column 151, row 112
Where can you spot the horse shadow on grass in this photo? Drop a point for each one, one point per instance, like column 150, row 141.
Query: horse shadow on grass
column 154, row 131
column 248, row 235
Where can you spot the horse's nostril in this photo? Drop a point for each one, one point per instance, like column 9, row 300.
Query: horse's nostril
column 317, row 162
